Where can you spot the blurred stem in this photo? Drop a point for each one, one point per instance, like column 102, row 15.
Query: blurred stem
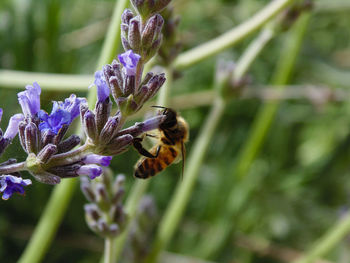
column 108, row 250
column 252, row 51
column 183, row 192
column 268, row 111
column 18, row 79
column 184, row 189
column 231, row 37
column 62, row 193
column 256, row 138
column 328, row 241
column 140, row 186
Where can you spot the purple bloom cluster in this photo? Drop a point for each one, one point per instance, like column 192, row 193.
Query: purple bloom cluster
column 51, row 156
column 63, row 113
column 10, row 184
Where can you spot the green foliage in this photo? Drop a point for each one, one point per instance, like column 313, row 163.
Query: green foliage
column 299, row 183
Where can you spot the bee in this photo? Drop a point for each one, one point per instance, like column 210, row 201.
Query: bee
column 173, row 132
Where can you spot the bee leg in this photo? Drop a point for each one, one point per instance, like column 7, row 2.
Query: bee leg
column 138, row 146
column 151, row 135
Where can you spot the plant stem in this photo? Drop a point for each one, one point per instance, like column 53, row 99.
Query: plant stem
column 326, row 243
column 12, row 168
column 18, row 79
column 108, row 250
column 140, row 186
column 112, row 40
column 49, row 222
column 62, row 194
column 48, row 81
column 255, row 140
column 252, row 51
column 184, row 189
column 231, row 37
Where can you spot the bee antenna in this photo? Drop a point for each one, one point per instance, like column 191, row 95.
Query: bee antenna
column 160, row 107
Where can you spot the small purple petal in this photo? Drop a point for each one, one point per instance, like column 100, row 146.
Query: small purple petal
column 98, row 159
column 12, row 128
column 30, row 99
column 10, row 184
column 62, row 113
column 102, row 87
column 129, row 61
column 92, row 170
column 1, row 112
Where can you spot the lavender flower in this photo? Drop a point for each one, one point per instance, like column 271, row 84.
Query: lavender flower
column 30, row 99
column 62, row 113
column 12, row 128
column 98, row 159
column 92, row 170
column 10, row 184
column 102, row 87
column 129, row 61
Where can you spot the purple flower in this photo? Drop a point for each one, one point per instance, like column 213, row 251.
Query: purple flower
column 129, row 61
column 1, row 112
column 30, row 99
column 102, row 87
column 12, row 128
column 10, row 184
column 98, row 159
column 92, row 170
column 62, row 113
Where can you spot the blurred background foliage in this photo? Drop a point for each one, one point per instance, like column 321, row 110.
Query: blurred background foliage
column 299, row 183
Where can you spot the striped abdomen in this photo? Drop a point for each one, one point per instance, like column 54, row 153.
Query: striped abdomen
column 147, row 167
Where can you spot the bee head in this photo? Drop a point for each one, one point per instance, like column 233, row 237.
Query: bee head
column 170, row 120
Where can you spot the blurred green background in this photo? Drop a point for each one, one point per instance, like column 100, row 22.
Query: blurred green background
column 299, row 183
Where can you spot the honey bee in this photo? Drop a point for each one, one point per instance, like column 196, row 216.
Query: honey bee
column 173, row 132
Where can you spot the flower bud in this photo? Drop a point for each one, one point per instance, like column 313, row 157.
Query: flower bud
column 47, row 152
column 91, row 170
column 31, row 138
column 85, row 187
column 112, row 126
column 89, row 125
column 66, row 171
column 134, row 34
column 68, row 144
column 119, row 144
column 47, row 137
column 102, row 110
column 127, row 16
column 97, row 159
column 129, row 85
column 151, row 31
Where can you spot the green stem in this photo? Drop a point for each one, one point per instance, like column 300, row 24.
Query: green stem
column 62, row 193
column 140, row 186
column 184, row 189
column 252, row 51
column 268, row 111
column 49, row 222
column 231, row 37
column 108, row 250
column 256, row 138
column 48, row 81
column 326, row 243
